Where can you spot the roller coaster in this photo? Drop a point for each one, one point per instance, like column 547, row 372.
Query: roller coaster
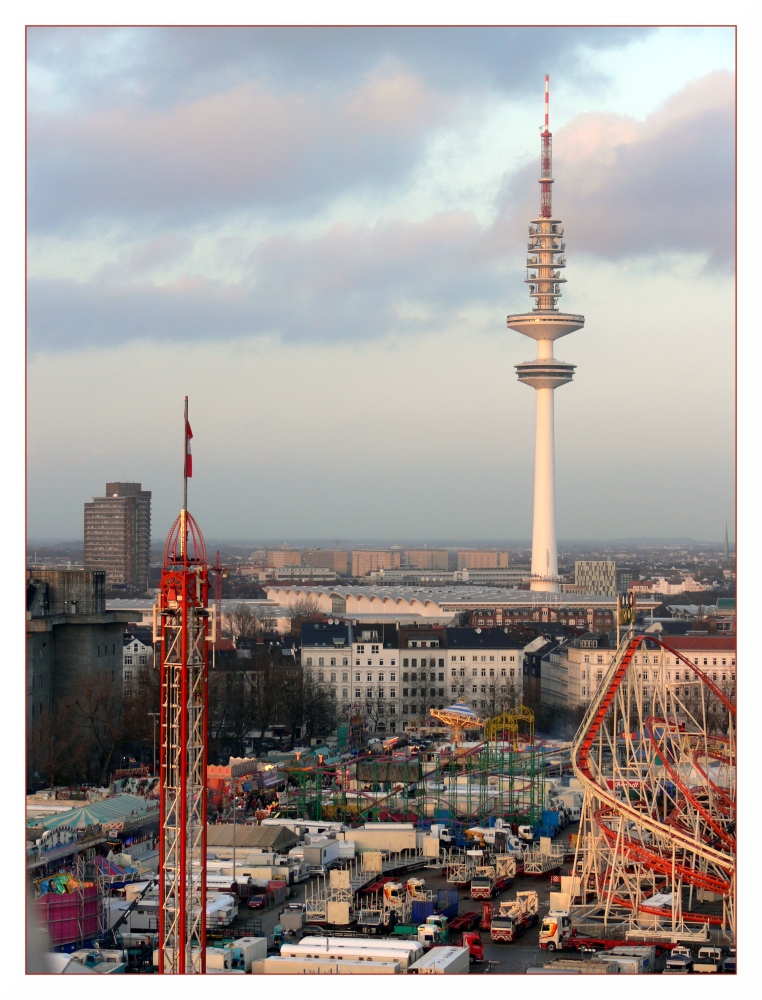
column 656, row 753
column 502, row 776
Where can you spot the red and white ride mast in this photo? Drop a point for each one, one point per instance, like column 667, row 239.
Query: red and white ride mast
column 182, row 629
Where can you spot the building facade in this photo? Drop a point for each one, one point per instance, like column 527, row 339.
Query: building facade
column 118, row 536
column 393, row 675
column 365, row 561
column 593, row 576
column 426, row 558
column 482, row 559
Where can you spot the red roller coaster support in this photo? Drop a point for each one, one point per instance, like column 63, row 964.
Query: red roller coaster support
column 182, row 629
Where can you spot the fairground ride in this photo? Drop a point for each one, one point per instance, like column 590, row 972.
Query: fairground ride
column 656, row 754
column 182, row 630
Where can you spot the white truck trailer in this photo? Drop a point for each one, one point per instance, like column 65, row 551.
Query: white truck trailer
column 349, row 950
column 287, row 965
column 442, row 961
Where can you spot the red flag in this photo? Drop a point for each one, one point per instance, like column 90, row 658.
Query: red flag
column 188, row 456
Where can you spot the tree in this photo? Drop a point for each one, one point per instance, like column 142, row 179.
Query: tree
column 100, row 710
column 56, row 750
column 242, row 622
column 306, row 705
column 303, row 609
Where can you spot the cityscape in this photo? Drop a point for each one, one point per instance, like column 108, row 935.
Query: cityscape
column 329, row 696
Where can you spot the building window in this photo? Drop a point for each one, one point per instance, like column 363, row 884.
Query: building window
column 360, row 649
column 345, row 662
column 392, row 676
column 320, row 675
column 502, row 671
column 128, row 660
column 441, row 663
column 344, row 692
column 404, row 692
column 484, row 672
column 321, row 662
column 374, row 649
column 309, row 661
column 345, row 677
column 333, row 661
column 404, row 709
column 380, row 692
column 357, row 694
column 473, row 689
column 393, row 662
column 333, row 677
column 369, row 693
column 513, row 671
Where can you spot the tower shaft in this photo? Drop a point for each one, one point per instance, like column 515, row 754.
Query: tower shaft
column 544, row 545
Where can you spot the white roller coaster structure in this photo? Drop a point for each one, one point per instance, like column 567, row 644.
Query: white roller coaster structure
column 656, row 754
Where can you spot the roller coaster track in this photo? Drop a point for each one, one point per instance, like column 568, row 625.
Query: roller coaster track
column 681, row 826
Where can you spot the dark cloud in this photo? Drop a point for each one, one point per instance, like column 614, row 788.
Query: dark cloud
column 348, row 283
column 626, row 188
column 164, row 65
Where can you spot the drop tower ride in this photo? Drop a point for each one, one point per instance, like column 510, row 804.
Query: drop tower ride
column 182, row 630
column 546, row 257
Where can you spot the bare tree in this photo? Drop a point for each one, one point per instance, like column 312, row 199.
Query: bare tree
column 242, row 622
column 56, row 750
column 303, row 609
column 100, row 710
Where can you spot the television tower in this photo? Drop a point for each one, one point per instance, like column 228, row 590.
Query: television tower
column 181, row 627
column 545, row 324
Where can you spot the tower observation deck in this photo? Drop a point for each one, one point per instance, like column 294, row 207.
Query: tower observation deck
column 546, row 323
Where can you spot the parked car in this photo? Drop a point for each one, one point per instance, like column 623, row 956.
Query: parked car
column 258, row 902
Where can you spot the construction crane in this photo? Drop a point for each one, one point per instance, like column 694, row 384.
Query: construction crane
column 181, row 627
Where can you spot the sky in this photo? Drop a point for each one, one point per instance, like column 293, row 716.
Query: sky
column 316, row 234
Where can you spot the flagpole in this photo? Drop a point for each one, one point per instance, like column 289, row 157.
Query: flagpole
column 185, row 458
column 183, row 520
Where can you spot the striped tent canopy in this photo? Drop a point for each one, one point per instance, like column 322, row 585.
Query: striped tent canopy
column 113, row 811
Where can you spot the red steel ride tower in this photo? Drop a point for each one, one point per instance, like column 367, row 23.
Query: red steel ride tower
column 182, row 630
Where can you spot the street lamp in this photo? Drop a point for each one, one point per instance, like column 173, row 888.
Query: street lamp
column 155, row 715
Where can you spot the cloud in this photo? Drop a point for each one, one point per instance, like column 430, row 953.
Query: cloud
column 345, row 283
column 664, row 185
column 250, row 145
column 163, row 66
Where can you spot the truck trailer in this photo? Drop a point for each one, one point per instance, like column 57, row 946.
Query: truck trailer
column 442, row 961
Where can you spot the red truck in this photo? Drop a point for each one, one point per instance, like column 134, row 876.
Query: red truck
column 473, row 942
column 514, row 916
column 490, row 880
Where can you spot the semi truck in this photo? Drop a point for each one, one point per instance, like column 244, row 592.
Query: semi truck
column 490, row 880
column 513, row 917
column 555, row 930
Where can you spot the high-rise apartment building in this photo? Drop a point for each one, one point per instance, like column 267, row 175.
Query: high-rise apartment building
column 118, row 535
column 482, row 559
column 426, row 558
column 365, row 561
column 595, row 576
column 284, row 557
column 335, row 559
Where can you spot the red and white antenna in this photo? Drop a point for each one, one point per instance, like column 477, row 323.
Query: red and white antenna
column 546, row 159
column 547, row 101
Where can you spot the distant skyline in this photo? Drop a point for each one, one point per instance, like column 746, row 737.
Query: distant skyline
column 316, row 234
